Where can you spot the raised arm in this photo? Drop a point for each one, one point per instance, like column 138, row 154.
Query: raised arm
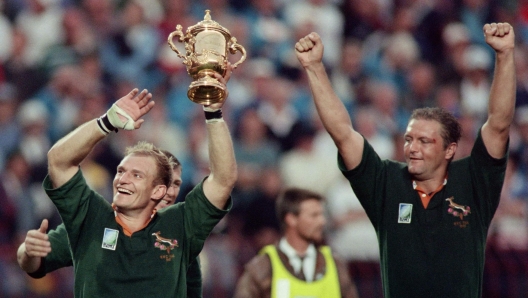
column 495, row 131
column 219, row 184
column 331, row 110
column 66, row 155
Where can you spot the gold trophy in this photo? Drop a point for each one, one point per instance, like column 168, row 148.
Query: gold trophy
column 206, row 45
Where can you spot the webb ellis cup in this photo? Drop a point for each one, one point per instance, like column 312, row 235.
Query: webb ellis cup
column 206, row 47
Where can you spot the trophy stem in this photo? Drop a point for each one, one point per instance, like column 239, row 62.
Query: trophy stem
column 206, row 89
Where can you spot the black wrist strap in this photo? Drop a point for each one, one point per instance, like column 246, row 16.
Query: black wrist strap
column 213, row 115
column 105, row 124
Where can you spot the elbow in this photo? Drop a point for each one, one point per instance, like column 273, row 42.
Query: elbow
column 56, row 160
column 53, row 157
column 232, row 177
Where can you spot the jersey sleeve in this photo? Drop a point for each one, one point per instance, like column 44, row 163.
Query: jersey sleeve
column 488, row 178
column 77, row 205
column 201, row 216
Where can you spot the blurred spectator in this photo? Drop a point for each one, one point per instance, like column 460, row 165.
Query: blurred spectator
column 41, row 23
column 391, row 57
column 448, row 97
column 521, row 69
column 303, row 166
column 6, row 34
column 429, row 30
column 351, row 234
column 80, row 37
column 469, row 125
column 349, row 78
column 392, row 116
column 130, row 52
column 62, row 97
column 16, row 214
column 261, row 226
column 510, row 224
column 455, row 37
column 521, row 147
column 364, row 17
column 325, row 18
column 34, row 143
column 277, row 111
column 10, row 129
column 474, row 13
column 366, row 123
column 254, row 153
column 102, row 16
column 420, row 86
column 26, row 78
column 268, row 31
column 476, row 82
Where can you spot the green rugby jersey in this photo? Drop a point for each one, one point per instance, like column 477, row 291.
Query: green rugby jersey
column 436, row 251
column 152, row 262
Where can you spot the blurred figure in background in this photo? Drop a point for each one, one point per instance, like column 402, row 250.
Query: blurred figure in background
column 297, row 265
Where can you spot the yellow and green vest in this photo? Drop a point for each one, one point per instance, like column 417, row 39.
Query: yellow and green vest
column 286, row 285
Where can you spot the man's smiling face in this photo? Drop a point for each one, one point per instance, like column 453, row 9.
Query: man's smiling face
column 133, row 183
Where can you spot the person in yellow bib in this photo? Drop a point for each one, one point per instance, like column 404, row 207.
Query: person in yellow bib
column 297, row 266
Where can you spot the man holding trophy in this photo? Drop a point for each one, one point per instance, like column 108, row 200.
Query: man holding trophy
column 127, row 249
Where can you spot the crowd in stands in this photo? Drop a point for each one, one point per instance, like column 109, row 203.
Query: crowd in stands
column 62, row 62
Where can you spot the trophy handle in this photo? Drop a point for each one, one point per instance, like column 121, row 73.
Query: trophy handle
column 234, row 47
column 178, row 33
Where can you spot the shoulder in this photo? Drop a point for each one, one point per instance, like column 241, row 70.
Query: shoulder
column 259, row 267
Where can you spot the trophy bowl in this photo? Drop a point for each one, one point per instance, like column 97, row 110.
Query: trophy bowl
column 206, row 47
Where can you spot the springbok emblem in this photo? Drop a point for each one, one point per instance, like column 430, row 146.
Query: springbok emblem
column 164, row 243
column 453, row 207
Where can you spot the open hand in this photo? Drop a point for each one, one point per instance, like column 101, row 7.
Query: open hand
column 134, row 105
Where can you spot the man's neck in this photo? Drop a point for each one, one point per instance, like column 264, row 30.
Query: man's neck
column 429, row 185
column 299, row 244
column 132, row 222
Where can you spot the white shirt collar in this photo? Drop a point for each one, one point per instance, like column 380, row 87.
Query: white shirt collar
column 295, row 260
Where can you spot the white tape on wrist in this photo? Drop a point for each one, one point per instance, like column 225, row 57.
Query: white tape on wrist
column 113, row 116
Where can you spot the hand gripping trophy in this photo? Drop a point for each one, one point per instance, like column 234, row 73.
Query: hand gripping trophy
column 206, row 46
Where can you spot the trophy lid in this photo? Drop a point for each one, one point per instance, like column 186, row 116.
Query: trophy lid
column 208, row 24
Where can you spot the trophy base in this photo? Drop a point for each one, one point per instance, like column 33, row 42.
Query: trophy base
column 206, row 91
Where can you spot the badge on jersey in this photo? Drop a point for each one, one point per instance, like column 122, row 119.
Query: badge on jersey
column 110, row 239
column 405, row 213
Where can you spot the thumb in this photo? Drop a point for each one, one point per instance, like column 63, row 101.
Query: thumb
column 43, row 226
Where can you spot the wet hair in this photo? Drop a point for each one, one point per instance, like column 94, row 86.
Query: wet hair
column 164, row 163
column 451, row 129
column 289, row 201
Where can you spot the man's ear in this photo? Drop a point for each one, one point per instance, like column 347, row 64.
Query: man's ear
column 451, row 150
column 290, row 219
column 159, row 192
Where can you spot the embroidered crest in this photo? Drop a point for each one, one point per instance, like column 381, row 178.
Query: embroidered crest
column 456, row 209
column 164, row 243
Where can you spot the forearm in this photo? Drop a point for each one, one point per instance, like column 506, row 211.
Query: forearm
column 66, row 155
column 27, row 263
column 502, row 93
column 501, row 106
column 222, row 163
column 335, row 117
column 331, row 110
